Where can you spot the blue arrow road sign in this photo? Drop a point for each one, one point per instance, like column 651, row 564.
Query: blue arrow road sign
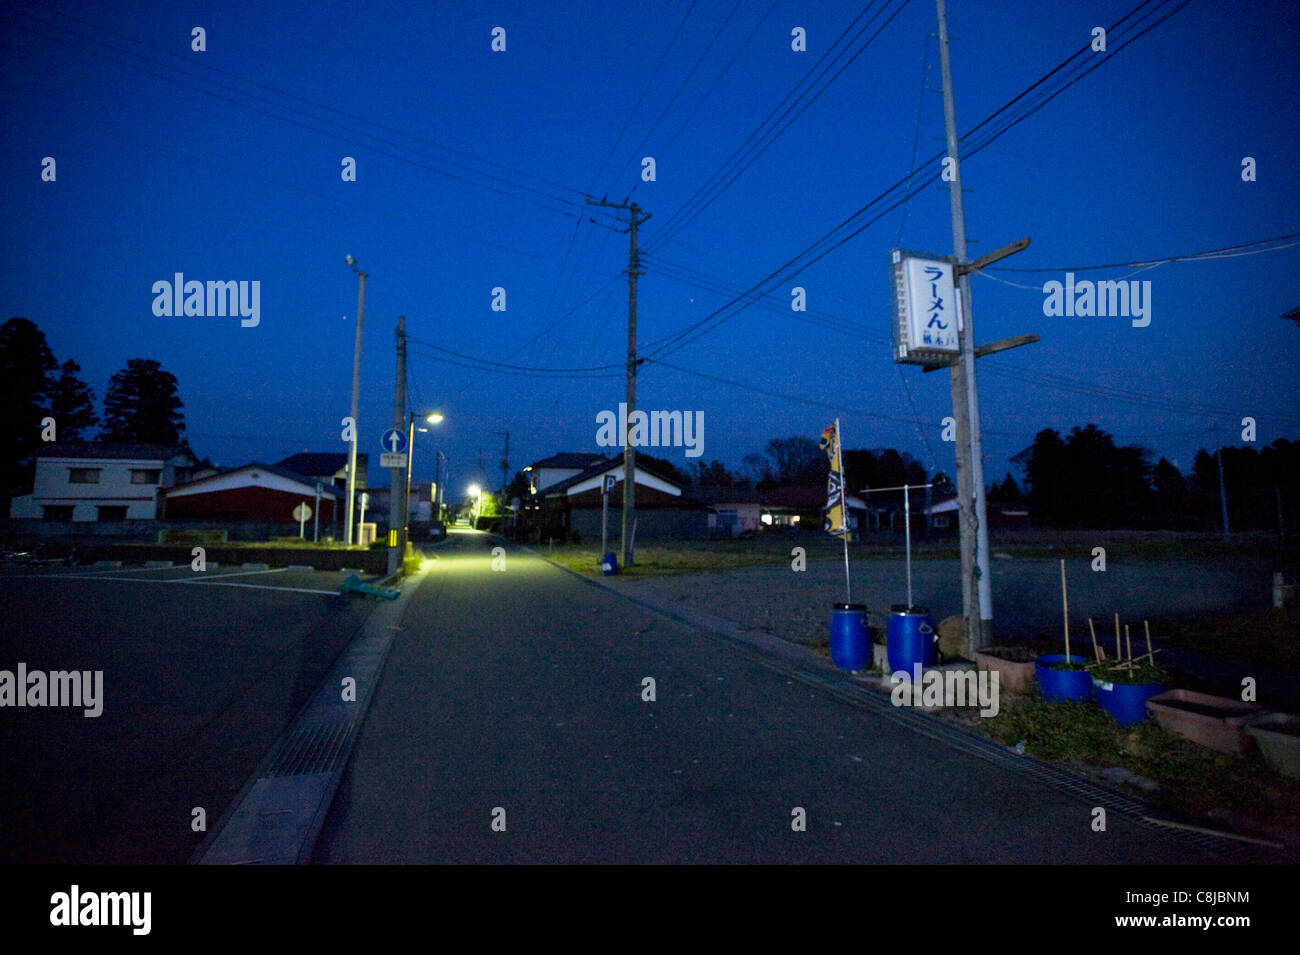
column 393, row 441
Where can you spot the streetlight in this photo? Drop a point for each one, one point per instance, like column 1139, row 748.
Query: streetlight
column 476, row 492
column 434, row 418
column 356, row 392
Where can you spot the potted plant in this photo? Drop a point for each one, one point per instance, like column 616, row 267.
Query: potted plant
column 1123, row 690
column 1014, row 664
column 1063, row 678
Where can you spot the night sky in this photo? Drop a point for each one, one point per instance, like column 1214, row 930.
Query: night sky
column 472, row 167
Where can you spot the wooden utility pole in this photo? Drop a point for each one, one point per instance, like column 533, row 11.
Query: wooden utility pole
column 629, row 450
column 975, row 582
column 396, row 500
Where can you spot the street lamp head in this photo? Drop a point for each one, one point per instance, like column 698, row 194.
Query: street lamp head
column 434, row 418
column 349, row 259
column 475, row 490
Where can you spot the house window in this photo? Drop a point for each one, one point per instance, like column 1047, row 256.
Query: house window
column 145, row 475
column 57, row 512
column 940, row 522
column 112, row 512
column 83, row 475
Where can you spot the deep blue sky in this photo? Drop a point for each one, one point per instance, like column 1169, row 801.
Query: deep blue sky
column 171, row 163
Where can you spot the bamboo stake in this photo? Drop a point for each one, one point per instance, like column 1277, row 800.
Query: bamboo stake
column 1065, row 605
column 1129, row 640
column 1096, row 650
column 1119, row 653
column 1151, row 654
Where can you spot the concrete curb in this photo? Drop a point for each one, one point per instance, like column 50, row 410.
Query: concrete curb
column 277, row 816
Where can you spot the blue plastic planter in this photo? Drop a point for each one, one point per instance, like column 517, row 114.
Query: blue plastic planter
column 1063, row 686
column 1126, row 702
column 609, row 564
column 850, row 638
column 909, row 638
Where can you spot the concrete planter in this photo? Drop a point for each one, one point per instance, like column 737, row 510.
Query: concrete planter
column 1278, row 736
column 1015, row 676
column 1218, row 722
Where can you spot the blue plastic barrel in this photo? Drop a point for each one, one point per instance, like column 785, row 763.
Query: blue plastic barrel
column 909, row 638
column 1063, row 686
column 609, row 564
column 850, row 639
column 1126, row 702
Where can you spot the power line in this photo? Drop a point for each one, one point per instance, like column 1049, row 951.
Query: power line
column 1230, row 251
column 649, row 83
column 820, row 248
column 352, row 136
column 700, row 101
column 673, row 99
column 724, row 176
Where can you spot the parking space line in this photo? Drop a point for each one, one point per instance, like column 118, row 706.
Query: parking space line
column 215, row 581
column 242, row 573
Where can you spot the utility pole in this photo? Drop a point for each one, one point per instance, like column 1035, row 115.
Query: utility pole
column 396, row 500
column 629, row 451
column 505, row 468
column 976, row 584
column 1223, row 493
column 356, row 392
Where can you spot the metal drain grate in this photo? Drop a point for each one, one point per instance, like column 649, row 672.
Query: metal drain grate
column 312, row 748
column 1062, row 780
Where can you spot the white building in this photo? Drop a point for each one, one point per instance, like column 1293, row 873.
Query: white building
column 551, row 471
column 100, row 481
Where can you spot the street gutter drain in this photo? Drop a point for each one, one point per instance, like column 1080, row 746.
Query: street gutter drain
column 316, row 747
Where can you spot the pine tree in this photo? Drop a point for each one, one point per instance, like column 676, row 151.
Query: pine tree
column 71, row 403
column 141, row 404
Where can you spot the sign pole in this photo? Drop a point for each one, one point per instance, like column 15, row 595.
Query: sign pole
column 907, row 535
column 604, row 518
column 844, row 508
column 302, row 521
column 315, row 533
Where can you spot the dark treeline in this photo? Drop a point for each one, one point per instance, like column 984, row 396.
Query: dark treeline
column 1085, row 480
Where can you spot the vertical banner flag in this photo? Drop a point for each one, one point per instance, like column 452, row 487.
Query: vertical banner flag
column 834, row 521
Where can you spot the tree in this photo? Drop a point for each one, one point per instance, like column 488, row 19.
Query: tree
column 1008, row 492
column 1085, row 480
column 715, row 474
column 72, row 403
column 26, row 363
column 141, row 404
column 1044, row 464
column 1169, row 493
column 760, row 471
column 797, row 460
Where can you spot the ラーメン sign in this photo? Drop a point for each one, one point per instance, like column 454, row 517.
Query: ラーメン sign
column 925, row 307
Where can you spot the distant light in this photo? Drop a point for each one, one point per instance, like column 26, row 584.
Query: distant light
column 349, row 260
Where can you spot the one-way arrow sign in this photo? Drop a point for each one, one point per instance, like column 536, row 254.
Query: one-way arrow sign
column 393, row 441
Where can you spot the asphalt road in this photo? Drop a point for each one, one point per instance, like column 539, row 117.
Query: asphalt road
column 515, row 696
column 201, row 673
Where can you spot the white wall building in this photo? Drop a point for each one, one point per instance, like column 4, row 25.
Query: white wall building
column 99, row 481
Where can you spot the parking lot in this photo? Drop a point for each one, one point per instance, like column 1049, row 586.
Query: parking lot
column 201, row 673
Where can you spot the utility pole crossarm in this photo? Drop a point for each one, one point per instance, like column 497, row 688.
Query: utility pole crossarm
column 997, row 255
